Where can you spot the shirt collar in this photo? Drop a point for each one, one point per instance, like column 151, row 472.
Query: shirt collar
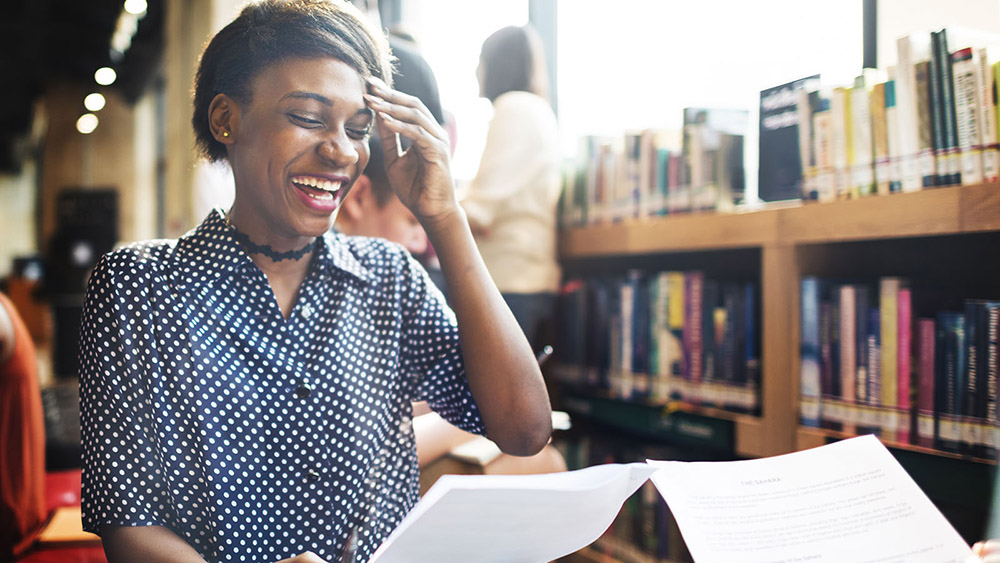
column 210, row 252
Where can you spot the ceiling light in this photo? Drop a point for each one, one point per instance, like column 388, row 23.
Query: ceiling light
column 105, row 76
column 94, row 102
column 87, row 123
column 136, row 7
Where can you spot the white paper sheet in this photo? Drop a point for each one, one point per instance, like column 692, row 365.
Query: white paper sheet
column 846, row 502
column 512, row 518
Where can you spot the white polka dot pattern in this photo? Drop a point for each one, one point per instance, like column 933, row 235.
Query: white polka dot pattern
column 252, row 436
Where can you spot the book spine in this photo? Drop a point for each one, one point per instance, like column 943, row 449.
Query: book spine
column 965, row 75
column 938, row 113
column 988, row 123
column 676, row 317
column 840, row 135
column 805, row 106
column 926, row 156
column 904, row 370
column 809, row 370
column 871, row 415
column 751, row 343
column 969, row 407
column 861, row 142
column 823, row 140
column 848, row 355
column 950, row 371
column 906, row 104
column 880, row 138
column 888, row 398
column 927, row 419
column 953, row 152
column 894, row 143
column 993, row 374
column 861, row 320
column 693, row 343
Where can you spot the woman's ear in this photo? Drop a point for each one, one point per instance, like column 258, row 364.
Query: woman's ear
column 223, row 115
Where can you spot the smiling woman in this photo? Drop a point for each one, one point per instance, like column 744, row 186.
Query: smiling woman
column 246, row 389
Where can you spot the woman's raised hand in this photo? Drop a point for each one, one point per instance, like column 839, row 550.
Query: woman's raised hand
column 420, row 175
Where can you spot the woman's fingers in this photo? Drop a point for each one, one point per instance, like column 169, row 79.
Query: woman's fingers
column 403, row 107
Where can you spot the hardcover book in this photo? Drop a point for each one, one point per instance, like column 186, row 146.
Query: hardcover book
column 780, row 162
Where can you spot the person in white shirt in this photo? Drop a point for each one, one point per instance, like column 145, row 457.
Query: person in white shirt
column 512, row 201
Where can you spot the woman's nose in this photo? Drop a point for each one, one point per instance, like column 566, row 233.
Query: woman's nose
column 338, row 149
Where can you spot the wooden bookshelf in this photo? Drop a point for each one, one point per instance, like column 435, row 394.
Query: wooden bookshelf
column 812, row 238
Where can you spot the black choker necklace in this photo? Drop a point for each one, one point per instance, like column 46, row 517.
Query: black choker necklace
column 254, row 248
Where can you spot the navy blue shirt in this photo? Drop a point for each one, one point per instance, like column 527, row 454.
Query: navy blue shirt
column 252, row 436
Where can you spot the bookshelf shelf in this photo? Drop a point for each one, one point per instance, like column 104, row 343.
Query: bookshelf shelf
column 878, row 235
column 813, row 437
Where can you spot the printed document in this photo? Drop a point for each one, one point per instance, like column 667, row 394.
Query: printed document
column 846, row 502
column 512, row 518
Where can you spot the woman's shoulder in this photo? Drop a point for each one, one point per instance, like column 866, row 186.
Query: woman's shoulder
column 522, row 101
column 137, row 258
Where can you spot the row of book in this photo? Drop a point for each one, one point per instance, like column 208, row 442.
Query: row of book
column 929, row 120
column 662, row 336
column 655, row 172
column 884, row 358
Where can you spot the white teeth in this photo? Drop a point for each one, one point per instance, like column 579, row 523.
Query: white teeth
column 319, row 183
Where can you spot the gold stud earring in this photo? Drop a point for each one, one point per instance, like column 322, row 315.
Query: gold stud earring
column 225, row 133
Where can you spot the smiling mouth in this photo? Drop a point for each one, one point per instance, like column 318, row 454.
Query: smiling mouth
column 317, row 188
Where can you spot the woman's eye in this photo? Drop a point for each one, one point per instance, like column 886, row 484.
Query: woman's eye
column 359, row 132
column 305, row 121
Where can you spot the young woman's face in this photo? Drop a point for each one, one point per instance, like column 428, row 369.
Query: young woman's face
column 298, row 146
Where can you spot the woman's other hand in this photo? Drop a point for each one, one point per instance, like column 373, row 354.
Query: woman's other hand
column 420, row 175
column 986, row 551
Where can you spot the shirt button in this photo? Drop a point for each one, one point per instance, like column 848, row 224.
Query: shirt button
column 306, row 311
column 303, row 391
column 312, row 475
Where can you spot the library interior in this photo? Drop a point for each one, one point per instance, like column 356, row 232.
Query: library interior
column 696, row 236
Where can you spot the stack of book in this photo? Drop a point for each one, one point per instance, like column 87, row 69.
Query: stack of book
column 655, row 172
column 885, row 358
column 663, row 336
column 929, row 120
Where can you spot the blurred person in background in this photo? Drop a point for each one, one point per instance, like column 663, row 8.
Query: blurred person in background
column 22, row 437
column 512, row 200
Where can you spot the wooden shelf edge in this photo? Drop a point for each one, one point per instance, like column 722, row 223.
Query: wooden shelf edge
column 808, row 437
column 930, row 212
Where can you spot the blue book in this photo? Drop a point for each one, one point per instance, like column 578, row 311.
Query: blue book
column 809, row 352
column 949, row 373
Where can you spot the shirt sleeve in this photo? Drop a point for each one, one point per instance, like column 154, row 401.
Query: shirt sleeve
column 432, row 353
column 122, row 479
column 516, row 144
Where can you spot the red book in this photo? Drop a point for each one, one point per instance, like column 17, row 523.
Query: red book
column 904, row 315
column 926, row 423
column 694, row 285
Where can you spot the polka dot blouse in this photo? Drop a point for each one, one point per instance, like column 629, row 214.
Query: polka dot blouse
column 252, row 436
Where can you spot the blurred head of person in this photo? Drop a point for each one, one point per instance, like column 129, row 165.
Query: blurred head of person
column 373, row 210
column 512, row 59
column 279, row 95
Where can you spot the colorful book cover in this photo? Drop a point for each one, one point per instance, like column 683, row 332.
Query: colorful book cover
column 889, row 288
column 694, row 285
column 927, row 419
column 848, row 354
column 988, row 122
column 780, row 161
column 809, row 352
column 904, row 363
column 676, row 321
column 966, row 85
column 950, row 356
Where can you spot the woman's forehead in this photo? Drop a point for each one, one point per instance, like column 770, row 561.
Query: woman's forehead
column 326, row 77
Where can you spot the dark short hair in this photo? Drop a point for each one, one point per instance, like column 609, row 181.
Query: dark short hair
column 512, row 59
column 269, row 31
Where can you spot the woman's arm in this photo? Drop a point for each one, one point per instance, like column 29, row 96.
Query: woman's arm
column 157, row 544
column 149, row 544
column 502, row 371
